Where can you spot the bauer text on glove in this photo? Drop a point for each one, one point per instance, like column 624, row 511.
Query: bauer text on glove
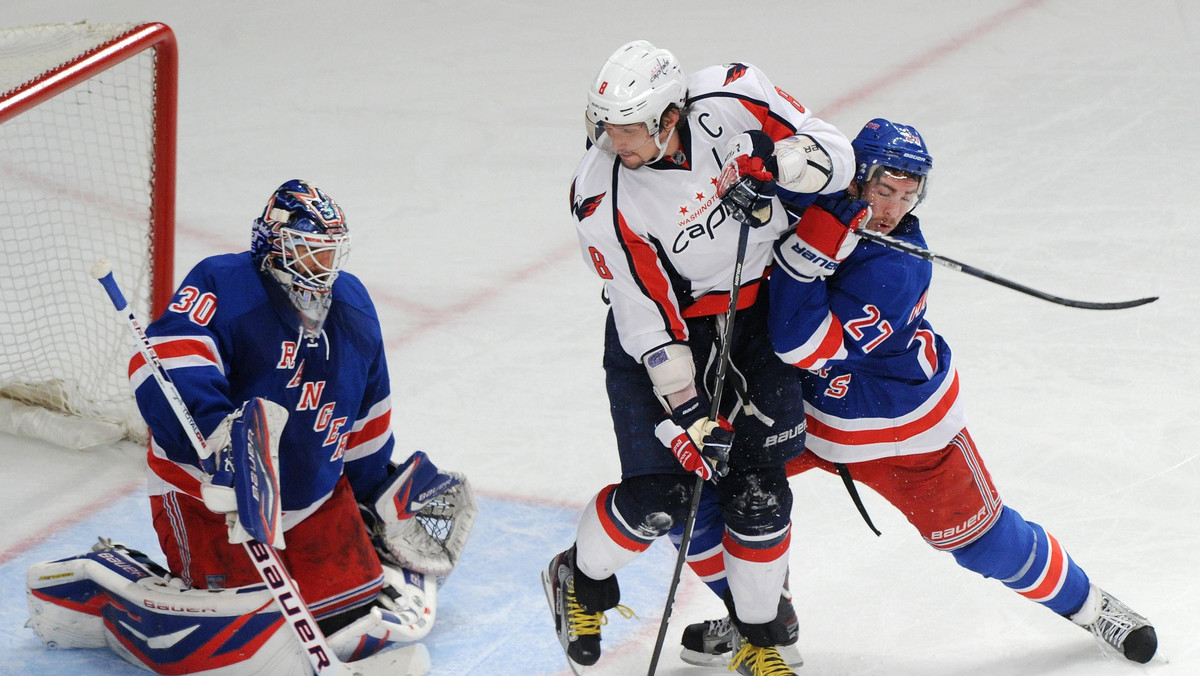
column 824, row 237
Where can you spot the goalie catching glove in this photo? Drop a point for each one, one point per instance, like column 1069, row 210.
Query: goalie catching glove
column 699, row 443
column 747, row 181
column 421, row 517
column 242, row 472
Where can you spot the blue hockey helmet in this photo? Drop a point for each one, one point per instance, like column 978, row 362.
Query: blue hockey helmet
column 302, row 240
column 885, row 144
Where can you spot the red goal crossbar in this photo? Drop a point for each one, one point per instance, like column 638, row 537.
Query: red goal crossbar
column 161, row 39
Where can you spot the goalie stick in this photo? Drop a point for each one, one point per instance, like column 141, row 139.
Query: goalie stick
column 694, row 507
column 914, row 250
column 412, row 660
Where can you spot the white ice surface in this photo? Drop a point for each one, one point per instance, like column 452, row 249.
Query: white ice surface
column 1066, row 153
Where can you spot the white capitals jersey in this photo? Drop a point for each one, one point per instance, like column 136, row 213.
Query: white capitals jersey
column 659, row 236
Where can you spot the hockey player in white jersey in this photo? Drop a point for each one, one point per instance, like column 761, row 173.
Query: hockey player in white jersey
column 277, row 350
column 676, row 165
column 883, row 405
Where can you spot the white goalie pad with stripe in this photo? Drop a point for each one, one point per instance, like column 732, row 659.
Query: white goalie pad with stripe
column 116, row 597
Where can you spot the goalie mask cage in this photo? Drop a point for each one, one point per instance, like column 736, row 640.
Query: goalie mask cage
column 87, row 171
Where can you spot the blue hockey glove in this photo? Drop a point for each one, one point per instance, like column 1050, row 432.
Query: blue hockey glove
column 747, row 181
column 824, row 237
column 699, row 443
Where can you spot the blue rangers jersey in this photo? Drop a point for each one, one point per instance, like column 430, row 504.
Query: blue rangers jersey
column 659, row 236
column 878, row 381
column 230, row 334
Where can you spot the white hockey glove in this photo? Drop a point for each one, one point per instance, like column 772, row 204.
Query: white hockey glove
column 824, row 237
column 242, row 474
column 421, row 517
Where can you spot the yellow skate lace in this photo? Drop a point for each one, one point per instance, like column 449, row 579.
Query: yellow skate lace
column 583, row 623
column 762, row 661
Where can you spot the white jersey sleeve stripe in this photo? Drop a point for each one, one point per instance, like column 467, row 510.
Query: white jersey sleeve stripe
column 371, row 432
column 929, row 427
column 825, row 344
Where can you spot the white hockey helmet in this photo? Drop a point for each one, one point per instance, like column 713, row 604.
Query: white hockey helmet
column 637, row 84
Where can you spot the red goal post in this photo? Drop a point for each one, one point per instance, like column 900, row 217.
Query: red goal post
column 87, row 171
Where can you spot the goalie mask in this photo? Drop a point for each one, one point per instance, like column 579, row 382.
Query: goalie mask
column 302, row 241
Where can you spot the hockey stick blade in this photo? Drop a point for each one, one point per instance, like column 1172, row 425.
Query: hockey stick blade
column 914, row 250
column 407, row 661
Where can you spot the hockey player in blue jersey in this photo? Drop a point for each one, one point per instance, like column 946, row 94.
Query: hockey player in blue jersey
column 882, row 399
column 658, row 207
column 283, row 332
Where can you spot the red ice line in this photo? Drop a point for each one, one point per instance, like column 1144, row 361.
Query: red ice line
column 431, row 318
column 80, row 514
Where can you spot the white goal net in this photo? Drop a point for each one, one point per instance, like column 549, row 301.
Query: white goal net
column 87, row 136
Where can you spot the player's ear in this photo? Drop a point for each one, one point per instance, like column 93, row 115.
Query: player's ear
column 670, row 118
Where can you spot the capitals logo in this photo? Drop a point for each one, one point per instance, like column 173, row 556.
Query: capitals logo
column 584, row 207
column 735, row 72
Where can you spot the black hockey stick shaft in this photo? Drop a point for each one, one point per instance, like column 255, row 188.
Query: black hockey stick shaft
column 914, row 250
column 718, row 388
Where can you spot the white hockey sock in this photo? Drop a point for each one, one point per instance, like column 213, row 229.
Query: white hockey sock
column 756, row 574
column 597, row 555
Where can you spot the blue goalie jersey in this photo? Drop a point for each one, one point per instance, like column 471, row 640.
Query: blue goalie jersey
column 878, row 381
column 231, row 334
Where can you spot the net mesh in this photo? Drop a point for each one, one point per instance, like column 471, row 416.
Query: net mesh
column 75, row 186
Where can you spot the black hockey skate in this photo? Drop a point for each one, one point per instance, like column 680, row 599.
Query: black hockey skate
column 712, row 643
column 577, row 619
column 1114, row 623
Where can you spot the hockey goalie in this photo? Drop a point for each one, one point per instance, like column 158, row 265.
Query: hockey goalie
column 277, row 356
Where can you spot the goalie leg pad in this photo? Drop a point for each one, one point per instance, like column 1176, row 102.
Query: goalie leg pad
column 421, row 518
column 112, row 597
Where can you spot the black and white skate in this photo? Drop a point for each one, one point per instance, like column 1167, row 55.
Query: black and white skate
column 578, row 631
column 711, row 643
column 1117, row 626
